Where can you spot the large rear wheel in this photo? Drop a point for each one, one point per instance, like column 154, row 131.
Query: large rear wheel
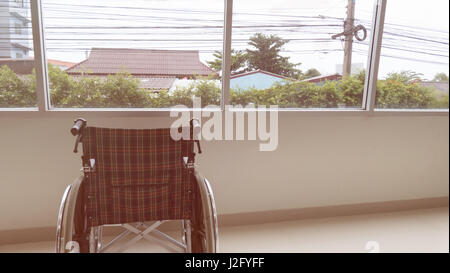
column 209, row 213
column 69, row 236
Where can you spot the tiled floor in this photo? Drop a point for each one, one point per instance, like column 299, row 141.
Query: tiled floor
column 410, row 231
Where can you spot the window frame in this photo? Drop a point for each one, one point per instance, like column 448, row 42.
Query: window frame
column 44, row 108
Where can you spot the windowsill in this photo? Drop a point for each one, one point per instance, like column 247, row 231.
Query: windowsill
column 165, row 112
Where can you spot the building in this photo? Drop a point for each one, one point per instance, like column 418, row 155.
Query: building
column 156, row 69
column 15, row 38
column 356, row 68
column 25, row 66
column 442, row 87
column 19, row 66
column 258, row 79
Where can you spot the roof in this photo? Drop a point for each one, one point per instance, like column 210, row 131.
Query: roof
column 255, row 72
column 180, row 63
column 21, row 66
column 441, row 86
column 323, row 78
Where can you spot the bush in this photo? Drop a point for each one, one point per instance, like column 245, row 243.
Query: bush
column 399, row 90
column 16, row 91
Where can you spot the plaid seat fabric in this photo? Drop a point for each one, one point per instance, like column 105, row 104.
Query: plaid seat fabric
column 138, row 176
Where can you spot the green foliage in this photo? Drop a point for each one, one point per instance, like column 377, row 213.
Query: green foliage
column 399, row 90
column 312, row 72
column 120, row 90
column 440, row 77
column 351, row 90
column 392, row 93
column 266, row 56
column 405, row 77
column 238, row 61
column 16, row 91
column 402, row 90
column 205, row 89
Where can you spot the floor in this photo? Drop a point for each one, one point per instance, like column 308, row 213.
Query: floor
column 424, row 230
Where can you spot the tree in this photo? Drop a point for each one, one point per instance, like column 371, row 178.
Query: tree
column 312, row 72
column 440, row 77
column 238, row 61
column 406, row 76
column 266, row 56
column 16, row 91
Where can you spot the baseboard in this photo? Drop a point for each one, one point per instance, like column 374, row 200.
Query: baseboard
column 29, row 235
column 253, row 218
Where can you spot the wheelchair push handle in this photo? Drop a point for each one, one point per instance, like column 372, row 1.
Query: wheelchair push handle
column 196, row 130
column 77, row 130
column 77, row 127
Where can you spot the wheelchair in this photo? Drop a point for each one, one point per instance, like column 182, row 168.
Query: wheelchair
column 136, row 179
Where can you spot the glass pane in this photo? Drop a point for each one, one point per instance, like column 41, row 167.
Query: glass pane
column 132, row 54
column 17, row 74
column 285, row 53
column 413, row 72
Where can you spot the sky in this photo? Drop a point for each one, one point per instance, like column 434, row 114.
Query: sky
column 416, row 32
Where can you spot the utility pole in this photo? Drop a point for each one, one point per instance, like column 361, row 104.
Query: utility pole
column 348, row 26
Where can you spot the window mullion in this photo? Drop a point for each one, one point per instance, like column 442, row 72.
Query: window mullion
column 40, row 62
column 370, row 88
column 226, row 55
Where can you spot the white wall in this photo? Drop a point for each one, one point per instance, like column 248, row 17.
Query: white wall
column 321, row 160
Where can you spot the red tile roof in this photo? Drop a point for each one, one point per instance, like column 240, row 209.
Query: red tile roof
column 179, row 63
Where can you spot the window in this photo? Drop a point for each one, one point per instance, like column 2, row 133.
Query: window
column 291, row 53
column 17, row 80
column 20, row 3
column 133, row 54
column 414, row 68
column 18, row 28
column 155, row 54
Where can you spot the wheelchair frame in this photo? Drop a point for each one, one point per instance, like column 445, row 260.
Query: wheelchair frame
column 142, row 230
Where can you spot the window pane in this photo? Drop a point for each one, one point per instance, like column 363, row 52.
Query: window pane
column 132, row 54
column 413, row 72
column 284, row 53
column 17, row 76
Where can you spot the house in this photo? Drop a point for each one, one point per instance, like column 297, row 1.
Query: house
column 25, row 66
column 156, row 69
column 442, row 87
column 320, row 80
column 258, row 79
column 21, row 66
